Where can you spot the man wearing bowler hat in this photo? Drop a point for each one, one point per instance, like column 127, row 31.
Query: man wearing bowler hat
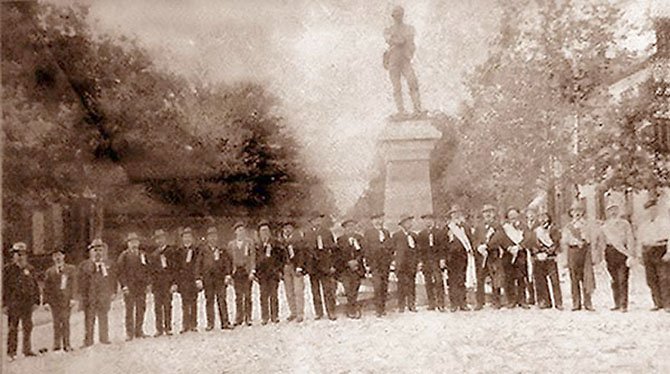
column 488, row 258
column 619, row 254
column 59, row 292
column 432, row 249
column 133, row 274
column 213, row 268
column 349, row 262
column 97, row 287
column 294, row 270
column 379, row 254
column 242, row 251
column 21, row 296
column 460, row 254
column 186, row 256
column 320, row 244
column 406, row 258
column 163, row 267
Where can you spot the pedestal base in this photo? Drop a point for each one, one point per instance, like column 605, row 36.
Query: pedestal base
column 406, row 146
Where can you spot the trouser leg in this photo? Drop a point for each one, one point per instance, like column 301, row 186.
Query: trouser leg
column 429, row 283
column 140, row 309
column 289, row 288
column 89, row 324
column 222, row 304
column 129, row 303
column 299, row 292
column 247, row 301
column 315, row 283
column 185, row 312
column 552, row 273
column 27, row 324
column 103, row 323
column 265, row 298
column 576, row 257
column 540, row 281
column 159, row 311
column 210, row 300
column 329, row 289
column 413, row 85
column 274, row 300
column 57, row 326
column 13, row 331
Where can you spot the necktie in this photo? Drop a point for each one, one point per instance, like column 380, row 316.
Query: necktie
column 319, row 242
column 431, row 240
column 410, row 241
column 382, row 237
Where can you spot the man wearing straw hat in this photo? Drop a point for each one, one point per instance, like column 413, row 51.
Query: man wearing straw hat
column 619, row 253
column 133, row 274
column 163, row 268
column 97, row 287
column 406, row 258
column 294, row 270
column 20, row 298
column 578, row 239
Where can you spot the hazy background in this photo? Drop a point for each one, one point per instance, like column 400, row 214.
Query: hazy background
column 321, row 58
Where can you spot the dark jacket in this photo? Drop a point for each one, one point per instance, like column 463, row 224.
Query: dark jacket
column 431, row 255
column 502, row 242
column 320, row 260
column 294, row 250
column 133, row 270
column 405, row 256
column 186, row 269
column 96, row 287
column 163, row 268
column 348, row 252
column 378, row 249
column 20, row 289
column 269, row 260
column 243, row 256
column 484, row 234
column 60, row 287
column 210, row 268
column 457, row 252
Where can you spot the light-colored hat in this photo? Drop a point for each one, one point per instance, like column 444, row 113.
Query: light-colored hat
column 212, row 230
column 455, row 208
column 158, row 233
column 97, row 243
column 132, row 236
column 488, row 208
column 186, row 230
column 19, row 247
column 348, row 221
column 237, row 225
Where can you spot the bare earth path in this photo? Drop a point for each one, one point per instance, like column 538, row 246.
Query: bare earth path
column 490, row 341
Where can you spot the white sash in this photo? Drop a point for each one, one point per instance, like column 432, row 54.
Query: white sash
column 471, row 269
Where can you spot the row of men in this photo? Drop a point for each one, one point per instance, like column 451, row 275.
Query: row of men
column 517, row 256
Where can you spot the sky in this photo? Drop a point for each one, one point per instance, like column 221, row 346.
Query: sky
column 321, row 58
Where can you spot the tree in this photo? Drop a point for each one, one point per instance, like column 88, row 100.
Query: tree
column 533, row 99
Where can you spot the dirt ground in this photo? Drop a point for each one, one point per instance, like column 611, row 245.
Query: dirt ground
column 503, row 341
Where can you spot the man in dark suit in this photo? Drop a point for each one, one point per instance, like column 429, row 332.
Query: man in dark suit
column 432, row 249
column 185, row 258
column 459, row 249
column 406, row 258
column 530, row 224
column 512, row 242
column 320, row 245
column 487, row 258
column 20, row 298
column 59, row 292
column 213, row 267
column 242, row 250
column 269, row 266
column 349, row 262
column 379, row 254
column 294, row 270
column 133, row 274
column 163, row 267
column 97, row 287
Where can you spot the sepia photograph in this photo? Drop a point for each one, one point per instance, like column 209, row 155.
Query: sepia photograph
column 335, row 186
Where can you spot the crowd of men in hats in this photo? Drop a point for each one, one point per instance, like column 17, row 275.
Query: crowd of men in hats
column 516, row 255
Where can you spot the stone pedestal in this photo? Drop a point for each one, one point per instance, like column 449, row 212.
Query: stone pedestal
column 406, row 146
